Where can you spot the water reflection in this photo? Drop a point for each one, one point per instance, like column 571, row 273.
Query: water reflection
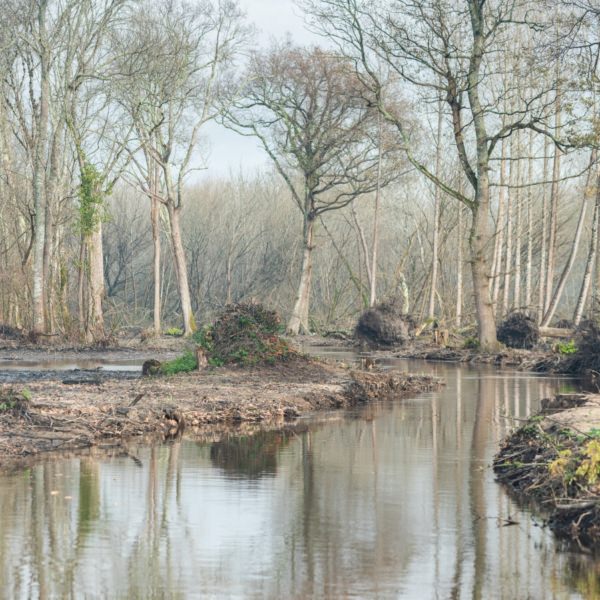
column 249, row 456
column 395, row 501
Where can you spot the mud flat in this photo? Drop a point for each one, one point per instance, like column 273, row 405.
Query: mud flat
column 53, row 416
column 553, row 463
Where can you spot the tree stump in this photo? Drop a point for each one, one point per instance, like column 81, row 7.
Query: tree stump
column 201, row 358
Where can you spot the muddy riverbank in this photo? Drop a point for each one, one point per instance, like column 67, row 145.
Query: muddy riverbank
column 553, row 462
column 60, row 415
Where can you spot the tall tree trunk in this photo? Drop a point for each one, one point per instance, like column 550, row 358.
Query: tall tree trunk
column 499, row 243
column 374, row 250
column 508, row 261
column 480, row 239
column 574, row 247
column 436, row 219
column 554, row 191
column 591, row 259
column 529, row 265
column 459, row 268
column 298, row 322
column 156, row 246
column 478, row 242
column 516, row 165
column 81, row 271
column 544, row 237
column 189, row 324
column 39, row 206
column 95, row 322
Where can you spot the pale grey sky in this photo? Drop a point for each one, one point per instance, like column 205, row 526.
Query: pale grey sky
column 228, row 150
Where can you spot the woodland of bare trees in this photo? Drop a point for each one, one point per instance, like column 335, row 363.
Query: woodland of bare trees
column 443, row 150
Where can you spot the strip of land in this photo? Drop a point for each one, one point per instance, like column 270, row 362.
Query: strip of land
column 53, row 416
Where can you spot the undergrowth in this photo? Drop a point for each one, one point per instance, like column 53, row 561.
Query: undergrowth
column 182, row 364
column 243, row 334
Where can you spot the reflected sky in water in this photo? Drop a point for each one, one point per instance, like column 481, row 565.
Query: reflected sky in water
column 395, row 500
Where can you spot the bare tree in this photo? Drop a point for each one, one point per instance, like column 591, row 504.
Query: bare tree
column 309, row 112
column 441, row 47
column 173, row 58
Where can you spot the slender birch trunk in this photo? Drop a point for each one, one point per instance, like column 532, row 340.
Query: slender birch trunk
column 544, row 238
column 375, row 248
column 156, row 246
column 529, row 265
column 508, row 260
column 436, row 219
column 95, row 322
column 516, row 164
column 459, row 268
column 592, row 257
column 298, row 322
column 189, row 324
column 554, row 192
column 574, row 247
column 39, row 205
column 499, row 245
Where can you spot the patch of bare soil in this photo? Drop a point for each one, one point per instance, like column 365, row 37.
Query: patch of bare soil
column 553, row 461
column 52, row 416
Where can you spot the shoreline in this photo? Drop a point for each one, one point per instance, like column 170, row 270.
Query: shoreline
column 552, row 462
column 51, row 416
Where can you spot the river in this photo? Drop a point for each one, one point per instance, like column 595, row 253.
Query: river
column 395, row 500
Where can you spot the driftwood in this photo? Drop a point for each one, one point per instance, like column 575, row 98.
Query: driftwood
column 556, row 332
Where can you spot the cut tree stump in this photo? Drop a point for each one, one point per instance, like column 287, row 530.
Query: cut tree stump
column 201, row 358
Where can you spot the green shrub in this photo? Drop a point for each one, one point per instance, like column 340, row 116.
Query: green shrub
column 182, row 364
column 174, row 331
column 203, row 337
column 244, row 334
column 566, row 347
column 471, row 343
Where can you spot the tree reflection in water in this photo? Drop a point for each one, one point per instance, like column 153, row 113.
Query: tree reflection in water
column 392, row 500
column 250, row 456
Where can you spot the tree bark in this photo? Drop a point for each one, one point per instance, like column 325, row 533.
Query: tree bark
column 39, row 206
column 156, row 246
column 189, row 324
column 95, row 321
column 436, row 220
column 508, row 262
column 554, row 190
column 499, row 244
column 373, row 294
column 553, row 305
column 544, row 237
column 516, row 165
column 529, row 265
column 298, row 322
column 459, row 268
column 591, row 259
column 480, row 239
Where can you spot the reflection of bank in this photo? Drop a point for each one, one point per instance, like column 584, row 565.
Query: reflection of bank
column 250, row 456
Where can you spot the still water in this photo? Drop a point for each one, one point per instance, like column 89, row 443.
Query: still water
column 395, row 500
